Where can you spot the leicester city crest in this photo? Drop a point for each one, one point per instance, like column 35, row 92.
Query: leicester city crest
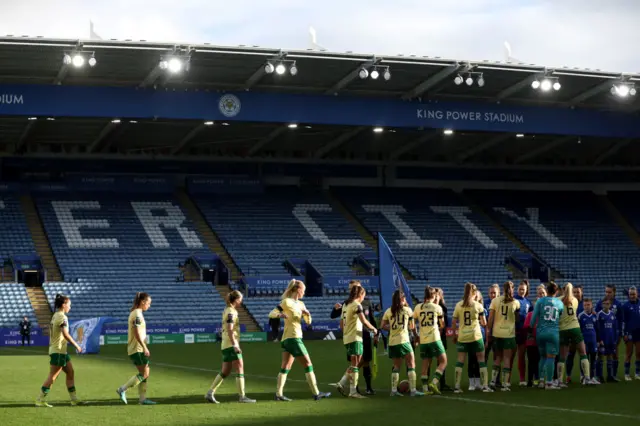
column 229, row 105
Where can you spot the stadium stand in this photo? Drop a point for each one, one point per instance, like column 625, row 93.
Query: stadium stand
column 434, row 235
column 260, row 231
column 14, row 305
column 14, row 240
column 14, row 234
column 109, row 247
column 571, row 232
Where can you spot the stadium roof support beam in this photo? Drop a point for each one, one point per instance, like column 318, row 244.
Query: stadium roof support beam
column 270, row 137
column 431, row 82
column 515, row 88
column 151, row 78
column 24, row 136
column 612, row 151
column 596, row 90
column 409, row 146
column 544, row 148
column 491, row 142
column 260, row 72
column 104, row 133
column 188, row 138
column 351, row 76
column 343, row 138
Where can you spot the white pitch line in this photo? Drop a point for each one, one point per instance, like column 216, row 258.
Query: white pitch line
column 449, row 398
column 540, row 407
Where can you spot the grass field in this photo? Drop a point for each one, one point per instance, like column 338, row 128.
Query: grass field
column 181, row 374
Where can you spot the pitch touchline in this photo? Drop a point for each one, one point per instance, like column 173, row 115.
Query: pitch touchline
column 450, row 398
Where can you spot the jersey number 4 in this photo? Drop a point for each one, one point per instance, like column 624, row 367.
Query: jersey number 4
column 550, row 313
column 427, row 319
column 504, row 311
column 397, row 322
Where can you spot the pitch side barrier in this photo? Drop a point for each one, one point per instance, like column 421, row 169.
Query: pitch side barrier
column 133, row 103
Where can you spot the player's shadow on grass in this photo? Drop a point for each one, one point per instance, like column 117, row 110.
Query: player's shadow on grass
column 55, row 404
column 232, row 398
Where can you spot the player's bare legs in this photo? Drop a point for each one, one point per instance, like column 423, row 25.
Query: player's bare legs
column 54, row 372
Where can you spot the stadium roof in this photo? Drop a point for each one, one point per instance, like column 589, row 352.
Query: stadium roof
column 136, row 64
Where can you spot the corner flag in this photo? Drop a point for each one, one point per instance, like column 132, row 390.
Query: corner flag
column 391, row 278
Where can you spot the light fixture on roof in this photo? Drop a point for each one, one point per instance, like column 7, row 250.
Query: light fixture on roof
column 546, row 84
column 448, row 132
column 623, row 90
column 51, row 119
column 280, row 67
column 378, row 130
column 519, row 135
column 363, row 73
column 92, row 61
column 175, row 64
column 32, row 118
column 208, row 123
column 116, row 121
column 292, row 125
column 225, row 124
column 78, row 59
column 387, row 74
column 469, row 79
column 375, row 74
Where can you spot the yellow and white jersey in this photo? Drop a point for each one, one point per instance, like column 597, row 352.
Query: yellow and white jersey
column 230, row 316
column 136, row 321
column 468, row 322
column 398, row 325
column 292, row 324
column 428, row 316
column 351, row 325
column 57, row 342
column 569, row 316
column 504, row 317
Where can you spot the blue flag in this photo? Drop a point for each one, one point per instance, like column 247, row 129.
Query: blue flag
column 391, row 278
column 86, row 333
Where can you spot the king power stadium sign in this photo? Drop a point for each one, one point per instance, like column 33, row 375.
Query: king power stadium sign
column 9, row 98
column 487, row 117
column 125, row 102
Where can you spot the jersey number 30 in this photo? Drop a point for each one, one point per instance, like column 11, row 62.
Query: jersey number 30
column 550, row 313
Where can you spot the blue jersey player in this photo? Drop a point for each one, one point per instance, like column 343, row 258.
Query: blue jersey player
column 631, row 330
column 616, row 307
column 608, row 335
column 588, row 326
column 546, row 318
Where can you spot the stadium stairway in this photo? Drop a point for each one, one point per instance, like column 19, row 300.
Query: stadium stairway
column 507, row 233
column 243, row 313
column 619, row 218
column 41, row 308
column 362, row 230
column 40, row 239
column 210, row 238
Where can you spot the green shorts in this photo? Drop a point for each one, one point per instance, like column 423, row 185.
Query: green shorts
column 431, row 350
column 354, row 348
column 471, row 347
column 139, row 358
column 504, row 343
column 571, row 337
column 59, row 360
column 294, row 346
column 400, row 351
column 230, row 355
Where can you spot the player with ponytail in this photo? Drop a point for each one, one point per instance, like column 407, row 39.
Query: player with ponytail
column 138, row 350
column 59, row 360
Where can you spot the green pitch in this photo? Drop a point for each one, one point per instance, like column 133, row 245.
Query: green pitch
column 181, row 374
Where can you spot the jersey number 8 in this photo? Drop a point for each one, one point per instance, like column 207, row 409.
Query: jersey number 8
column 427, row 319
column 467, row 318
